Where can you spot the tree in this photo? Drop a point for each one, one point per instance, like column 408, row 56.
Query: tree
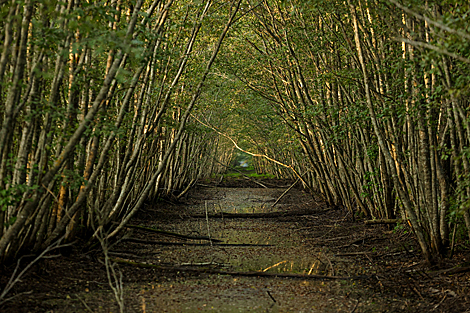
column 369, row 90
column 96, row 111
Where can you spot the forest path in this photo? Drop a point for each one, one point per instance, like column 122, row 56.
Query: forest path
column 191, row 275
column 281, row 250
column 269, row 245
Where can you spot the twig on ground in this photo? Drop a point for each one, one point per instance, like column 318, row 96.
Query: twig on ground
column 417, row 292
column 287, row 190
column 453, row 270
column 395, row 253
column 17, row 278
column 272, row 266
column 256, row 215
column 334, row 225
column 165, row 243
column 311, row 268
column 171, row 234
column 16, row 296
column 84, row 304
column 204, row 264
column 207, row 222
column 125, row 255
column 233, row 273
column 440, row 302
column 383, row 221
column 256, row 182
column 354, row 242
column 355, row 306
column 272, row 298
column 192, row 183
column 336, row 238
column 331, row 265
column 114, row 280
column 353, row 253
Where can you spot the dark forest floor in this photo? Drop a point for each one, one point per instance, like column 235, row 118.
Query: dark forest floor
column 393, row 276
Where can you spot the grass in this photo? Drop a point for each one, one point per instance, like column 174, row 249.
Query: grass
column 239, row 171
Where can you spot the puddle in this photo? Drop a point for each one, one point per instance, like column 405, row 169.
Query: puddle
column 279, row 249
column 229, row 294
column 245, row 200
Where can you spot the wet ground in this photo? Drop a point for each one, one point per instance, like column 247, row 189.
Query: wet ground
column 341, row 265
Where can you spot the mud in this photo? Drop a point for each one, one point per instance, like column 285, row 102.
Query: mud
column 325, row 241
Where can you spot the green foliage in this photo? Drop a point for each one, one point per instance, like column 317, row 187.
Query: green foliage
column 370, row 181
column 6, row 199
column 13, row 196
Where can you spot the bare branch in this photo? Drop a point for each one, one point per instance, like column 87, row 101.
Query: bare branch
column 251, row 153
column 432, row 47
column 17, row 278
column 430, row 21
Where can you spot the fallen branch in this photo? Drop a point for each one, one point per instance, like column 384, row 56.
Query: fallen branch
column 336, row 238
column 125, row 255
column 258, row 155
column 395, row 253
column 191, row 184
column 207, row 221
column 234, row 273
column 255, row 215
column 256, row 182
column 166, row 243
column 287, row 190
column 383, row 221
column 204, row 264
column 15, row 278
column 354, row 253
column 331, row 265
column 272, row 266
column 171, row 234
column 113, row 273
column 272, row 298
column 357, row 241
column 453, row 270
column 84, row 303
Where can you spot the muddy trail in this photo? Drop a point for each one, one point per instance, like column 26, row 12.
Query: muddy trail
column 228, row 249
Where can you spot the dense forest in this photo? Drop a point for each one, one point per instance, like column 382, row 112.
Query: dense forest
column 107, row 105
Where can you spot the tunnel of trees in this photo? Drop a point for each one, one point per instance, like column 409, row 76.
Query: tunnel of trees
column 109, row 104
